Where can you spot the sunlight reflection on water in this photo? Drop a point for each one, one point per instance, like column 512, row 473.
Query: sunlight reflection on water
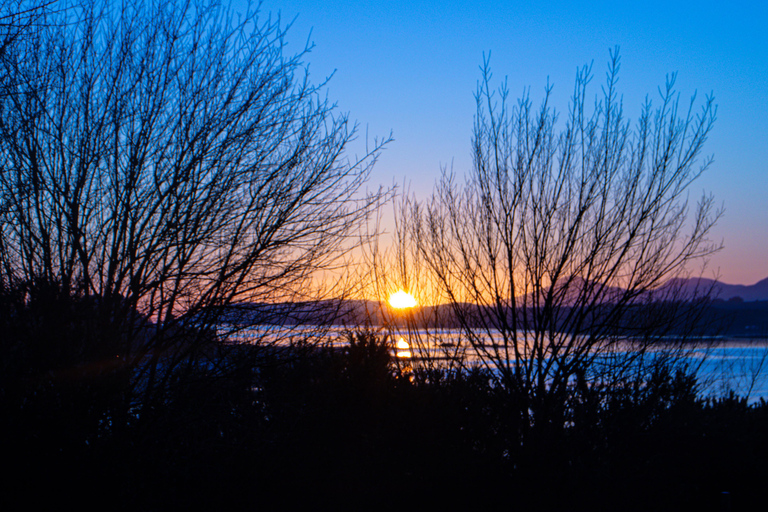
column 725, row 365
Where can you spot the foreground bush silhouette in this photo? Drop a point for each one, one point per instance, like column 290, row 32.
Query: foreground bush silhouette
column 314, row 425
column 64, row 387
column 63, row 362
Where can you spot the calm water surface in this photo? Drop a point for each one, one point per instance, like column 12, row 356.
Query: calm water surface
column 725, row 365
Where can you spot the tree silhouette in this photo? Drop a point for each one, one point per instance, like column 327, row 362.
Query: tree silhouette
column 16, row 16
column 556, row 251
column 174, row 155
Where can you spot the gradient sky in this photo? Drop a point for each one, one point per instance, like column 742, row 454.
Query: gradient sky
column 411, row 67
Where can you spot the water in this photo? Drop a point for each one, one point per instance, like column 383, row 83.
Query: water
column 723, row 366
column 737, row 365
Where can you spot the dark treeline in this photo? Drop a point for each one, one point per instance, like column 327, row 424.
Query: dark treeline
column 352, row 426
column 705, row 317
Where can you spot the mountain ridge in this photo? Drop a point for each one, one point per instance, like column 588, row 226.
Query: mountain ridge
column 724, row 291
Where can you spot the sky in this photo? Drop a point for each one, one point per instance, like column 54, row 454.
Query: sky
column 411, row 68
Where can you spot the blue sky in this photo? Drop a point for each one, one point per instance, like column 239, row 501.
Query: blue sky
column 411, row 67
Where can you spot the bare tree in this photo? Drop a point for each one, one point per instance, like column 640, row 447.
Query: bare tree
column 555, row 250
column 15, row 17
column 173, row 155
column 401, row 266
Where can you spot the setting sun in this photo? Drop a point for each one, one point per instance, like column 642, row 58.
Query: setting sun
column 401, row 300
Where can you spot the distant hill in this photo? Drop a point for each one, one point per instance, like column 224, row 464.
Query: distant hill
column 737, row 310
column 723, row 291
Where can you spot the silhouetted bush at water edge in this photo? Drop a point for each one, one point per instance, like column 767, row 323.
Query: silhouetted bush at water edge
column 347, row 426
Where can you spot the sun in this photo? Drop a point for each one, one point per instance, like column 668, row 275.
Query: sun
column 402, row 300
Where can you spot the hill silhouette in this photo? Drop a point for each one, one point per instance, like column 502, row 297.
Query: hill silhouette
column 733, row 310
column 724, row 291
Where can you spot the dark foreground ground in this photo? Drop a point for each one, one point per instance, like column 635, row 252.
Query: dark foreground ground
column 255, row 429
column 344, row 429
